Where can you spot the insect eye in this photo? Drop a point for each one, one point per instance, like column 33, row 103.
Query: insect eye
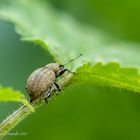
column 61, row 66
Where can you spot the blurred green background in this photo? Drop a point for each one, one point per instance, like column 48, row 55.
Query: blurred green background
column 83, row 112
column 120, row 18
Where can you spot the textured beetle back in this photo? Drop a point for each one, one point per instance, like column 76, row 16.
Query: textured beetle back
column 54, row 67
column 39, row 82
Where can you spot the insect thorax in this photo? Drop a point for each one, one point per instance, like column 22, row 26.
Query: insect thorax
column 54, row 67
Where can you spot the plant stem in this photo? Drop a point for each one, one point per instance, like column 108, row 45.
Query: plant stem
column 21, row 113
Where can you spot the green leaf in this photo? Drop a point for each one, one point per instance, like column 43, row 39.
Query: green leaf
column 65, row 38
column 108, row 75
column 7, row 94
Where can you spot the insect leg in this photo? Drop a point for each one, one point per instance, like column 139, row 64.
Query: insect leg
column 57, row 86
column 48, row 93
column 30, row 101
column 62, row 72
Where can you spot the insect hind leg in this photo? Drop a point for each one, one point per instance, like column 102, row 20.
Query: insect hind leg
column 47, row 94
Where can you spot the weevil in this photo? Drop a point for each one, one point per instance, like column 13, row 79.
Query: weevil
column 43, row 79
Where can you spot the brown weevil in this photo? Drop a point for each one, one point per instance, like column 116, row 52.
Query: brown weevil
column 43, row 79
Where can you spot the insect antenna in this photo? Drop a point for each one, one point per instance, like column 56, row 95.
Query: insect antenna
column 73, row 59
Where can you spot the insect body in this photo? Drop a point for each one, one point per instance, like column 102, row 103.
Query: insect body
column 42, row 80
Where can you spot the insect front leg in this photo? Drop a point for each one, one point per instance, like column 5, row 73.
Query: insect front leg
column 63, row 71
